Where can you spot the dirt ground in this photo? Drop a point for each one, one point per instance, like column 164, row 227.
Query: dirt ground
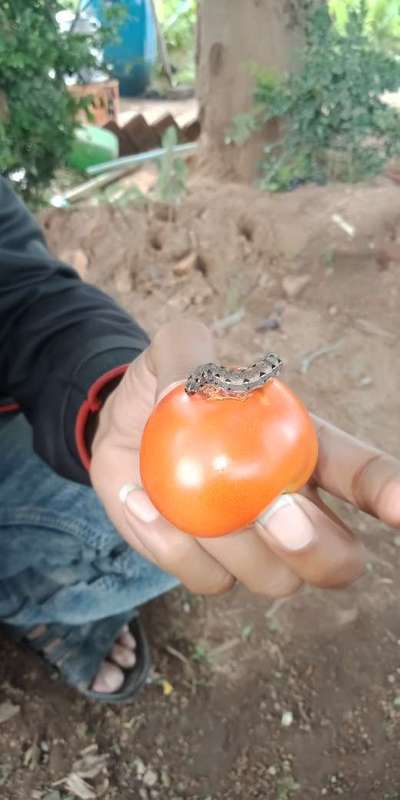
column 249, row 698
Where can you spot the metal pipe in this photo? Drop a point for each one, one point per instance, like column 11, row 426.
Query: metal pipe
column 140, row 158
column 63, row 200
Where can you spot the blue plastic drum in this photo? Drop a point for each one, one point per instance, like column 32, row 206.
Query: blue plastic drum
column 133, row 57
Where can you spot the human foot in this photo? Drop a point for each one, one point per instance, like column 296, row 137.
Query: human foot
column 74, row 650
column 110, row 676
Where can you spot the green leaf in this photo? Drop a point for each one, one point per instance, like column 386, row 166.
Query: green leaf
column 331, row 108
column 35, row 58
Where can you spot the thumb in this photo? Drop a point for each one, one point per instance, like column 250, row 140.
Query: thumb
column 177, row 349
column 315, row 545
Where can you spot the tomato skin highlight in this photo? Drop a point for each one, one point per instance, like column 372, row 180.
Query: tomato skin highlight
column 212, row 465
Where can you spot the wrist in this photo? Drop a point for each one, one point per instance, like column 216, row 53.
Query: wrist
column 93, row 422
column 93, row 411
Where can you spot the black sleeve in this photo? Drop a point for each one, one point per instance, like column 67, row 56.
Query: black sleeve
column 59, row 336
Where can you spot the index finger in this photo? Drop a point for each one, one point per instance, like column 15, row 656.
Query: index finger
column 363, row 475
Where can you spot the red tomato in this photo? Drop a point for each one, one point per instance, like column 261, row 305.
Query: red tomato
column 212, row 465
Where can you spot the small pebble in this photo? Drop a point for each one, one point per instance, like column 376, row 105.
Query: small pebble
column 366, row 381
column 140, row 767
column 150, row 777
column 294, row 285
column 185, row 265
column 396, row 702
column 269, row 324
column 287, row 719
column 165, row 779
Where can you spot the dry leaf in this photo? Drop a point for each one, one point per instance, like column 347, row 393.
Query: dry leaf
column 104, row 788
column 134, row 723
column 8, row 710
column 90, row 765
column 32, row 756
column 78, row 787
column 91, row 748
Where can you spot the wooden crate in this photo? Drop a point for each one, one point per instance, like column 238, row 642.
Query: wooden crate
column 105, row 104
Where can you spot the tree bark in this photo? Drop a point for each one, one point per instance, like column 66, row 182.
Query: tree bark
column 233, row 35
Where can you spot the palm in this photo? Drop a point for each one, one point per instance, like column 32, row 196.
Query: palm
column 267, row 557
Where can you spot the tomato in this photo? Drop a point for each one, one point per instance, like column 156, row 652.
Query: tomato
column 211, row 465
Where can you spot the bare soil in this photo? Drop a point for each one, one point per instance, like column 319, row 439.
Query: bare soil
column 270, row 701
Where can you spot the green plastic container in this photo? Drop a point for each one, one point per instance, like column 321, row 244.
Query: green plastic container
column 92, row 146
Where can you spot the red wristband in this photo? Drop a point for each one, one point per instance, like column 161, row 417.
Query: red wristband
column 9, row 408
column 92, row 405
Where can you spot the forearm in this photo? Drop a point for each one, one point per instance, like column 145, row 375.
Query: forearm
column 62, row 340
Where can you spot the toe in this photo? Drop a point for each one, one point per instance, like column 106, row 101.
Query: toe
column 108, row 679
column 122, row 656
column 126, row 639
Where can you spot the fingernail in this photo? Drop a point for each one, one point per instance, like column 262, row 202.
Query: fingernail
column 137, row 502
column 288, row 524
column 125, row 490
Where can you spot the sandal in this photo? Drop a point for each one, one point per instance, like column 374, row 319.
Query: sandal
column 77, row 651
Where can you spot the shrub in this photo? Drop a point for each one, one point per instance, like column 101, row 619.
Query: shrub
column 334, row 122
column 37, row 113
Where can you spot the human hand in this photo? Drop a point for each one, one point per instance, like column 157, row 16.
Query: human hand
column 296, row 540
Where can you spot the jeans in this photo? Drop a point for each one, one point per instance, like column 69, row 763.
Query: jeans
column 62, row 563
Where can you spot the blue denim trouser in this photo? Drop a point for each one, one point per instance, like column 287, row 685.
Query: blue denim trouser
column 62, row 563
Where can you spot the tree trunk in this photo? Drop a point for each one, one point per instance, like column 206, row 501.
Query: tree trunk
column 233, row 35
